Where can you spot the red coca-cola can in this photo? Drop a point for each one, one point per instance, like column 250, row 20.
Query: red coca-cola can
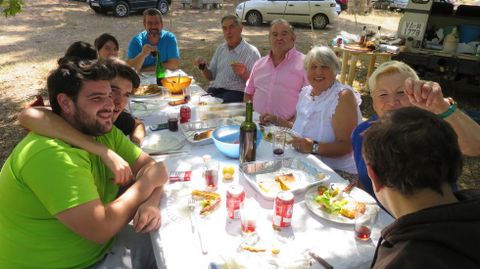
column 185, row 114
column 283, row 209
column 235, row 198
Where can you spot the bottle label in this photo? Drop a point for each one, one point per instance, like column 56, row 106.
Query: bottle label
column 248, row 140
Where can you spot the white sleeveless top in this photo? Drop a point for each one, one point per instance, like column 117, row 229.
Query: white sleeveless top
column 314, row 120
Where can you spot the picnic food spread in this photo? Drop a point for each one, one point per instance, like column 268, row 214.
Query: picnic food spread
column 148, row 89
column 208, row 200
column 333, row 202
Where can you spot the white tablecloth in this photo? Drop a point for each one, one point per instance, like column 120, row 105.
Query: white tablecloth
column 177, row 247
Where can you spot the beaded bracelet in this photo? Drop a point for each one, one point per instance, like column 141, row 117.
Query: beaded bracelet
column 450, row 110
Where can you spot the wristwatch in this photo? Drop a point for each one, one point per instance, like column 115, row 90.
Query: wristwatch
column 315, row 147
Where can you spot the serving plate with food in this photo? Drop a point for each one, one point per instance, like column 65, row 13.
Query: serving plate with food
column 292, row 174
column 200, row 132
column 337, row 202
column 147, row 91
column 180, row 196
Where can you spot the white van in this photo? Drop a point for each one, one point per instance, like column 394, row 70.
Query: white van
column 423, row 21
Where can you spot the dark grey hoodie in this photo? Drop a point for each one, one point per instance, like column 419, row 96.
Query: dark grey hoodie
column 446, row 236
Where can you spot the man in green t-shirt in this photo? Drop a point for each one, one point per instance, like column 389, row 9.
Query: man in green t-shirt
column 58, row 205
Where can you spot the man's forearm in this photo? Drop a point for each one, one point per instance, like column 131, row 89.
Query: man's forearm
column 138, row 133
column 171, row 64
column 155, row 197
column 137, row 62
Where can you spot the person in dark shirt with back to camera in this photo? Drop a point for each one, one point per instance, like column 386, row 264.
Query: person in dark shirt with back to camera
column 412, row 158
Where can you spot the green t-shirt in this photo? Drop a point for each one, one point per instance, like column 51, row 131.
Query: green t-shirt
column 41, row 178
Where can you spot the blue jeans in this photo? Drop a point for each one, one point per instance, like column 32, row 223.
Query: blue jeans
column 130, row 250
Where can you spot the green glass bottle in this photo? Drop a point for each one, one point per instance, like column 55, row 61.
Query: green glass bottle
column 248, row 136
column 159, row 69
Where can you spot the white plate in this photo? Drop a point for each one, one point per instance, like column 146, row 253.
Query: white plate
column 177, row 202
column 163, row 141
column 356, row 194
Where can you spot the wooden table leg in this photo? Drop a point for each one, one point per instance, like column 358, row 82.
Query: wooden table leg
column 371, row 65
column 345, row 57
column 353, row 69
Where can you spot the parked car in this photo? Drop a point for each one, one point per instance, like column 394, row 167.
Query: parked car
column 122, row 8
column 398, row 5
column 256, row 12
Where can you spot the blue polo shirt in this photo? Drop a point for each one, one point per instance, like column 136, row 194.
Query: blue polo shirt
column 167, row 46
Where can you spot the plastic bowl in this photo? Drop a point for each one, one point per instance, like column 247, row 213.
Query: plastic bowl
column 227, row 140
column 176, row 84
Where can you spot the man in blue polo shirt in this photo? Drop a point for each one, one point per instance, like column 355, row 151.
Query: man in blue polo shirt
column 153, row 38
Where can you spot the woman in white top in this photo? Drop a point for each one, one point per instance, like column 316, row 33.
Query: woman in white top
column 327, row 113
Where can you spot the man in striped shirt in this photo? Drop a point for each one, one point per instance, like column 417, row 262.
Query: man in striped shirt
column 231, row 64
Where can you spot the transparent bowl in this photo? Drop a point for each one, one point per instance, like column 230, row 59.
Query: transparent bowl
column 227, row 140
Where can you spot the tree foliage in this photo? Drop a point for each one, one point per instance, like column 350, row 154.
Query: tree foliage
column 10, row 7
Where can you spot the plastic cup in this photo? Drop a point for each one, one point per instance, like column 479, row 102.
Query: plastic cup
column 364, row 222
column 248, row 216
column 210, row 174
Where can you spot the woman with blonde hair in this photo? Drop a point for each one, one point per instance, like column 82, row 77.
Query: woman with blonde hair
column 394, row 85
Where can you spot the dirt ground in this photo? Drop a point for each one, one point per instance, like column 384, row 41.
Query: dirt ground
column 31, row 42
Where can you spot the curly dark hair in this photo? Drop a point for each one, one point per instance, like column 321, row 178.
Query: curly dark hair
column 412, row 149
column 81, row 50
column 69, row 76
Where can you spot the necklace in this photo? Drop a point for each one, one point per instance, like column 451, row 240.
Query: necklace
column 313, row 96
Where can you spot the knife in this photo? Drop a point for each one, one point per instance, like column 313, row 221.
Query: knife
column 319, row 259
column 159, row 153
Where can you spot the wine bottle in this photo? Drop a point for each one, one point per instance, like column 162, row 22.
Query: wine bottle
column 159, row 69
column 248, row 136
column 363, row 37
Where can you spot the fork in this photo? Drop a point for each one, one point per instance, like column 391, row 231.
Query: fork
column 191, row 207
column 193, row 221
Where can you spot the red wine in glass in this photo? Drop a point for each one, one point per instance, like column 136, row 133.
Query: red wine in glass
column 278, row 152
column 248, row 226
column 362, row 232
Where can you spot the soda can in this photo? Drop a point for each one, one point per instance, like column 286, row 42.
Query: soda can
column 180, row 176
column 283, row 209
column 235, row 199
column 185, row 114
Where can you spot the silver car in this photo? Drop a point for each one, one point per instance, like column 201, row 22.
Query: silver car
column 317, row 12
